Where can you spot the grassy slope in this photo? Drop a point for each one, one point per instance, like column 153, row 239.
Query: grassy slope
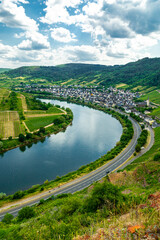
column 154, row 97
column 37, row 122
column 156, row 112
column 148, row 156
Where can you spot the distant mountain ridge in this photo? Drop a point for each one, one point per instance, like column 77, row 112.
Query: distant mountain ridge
column 142, row 72
column 4, row 69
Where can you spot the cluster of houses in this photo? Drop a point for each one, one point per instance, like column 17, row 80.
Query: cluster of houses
column 110, row 97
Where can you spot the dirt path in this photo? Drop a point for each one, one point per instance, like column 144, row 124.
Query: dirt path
column 24, row 104
column 26, row 126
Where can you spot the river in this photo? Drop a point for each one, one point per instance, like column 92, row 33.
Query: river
column 90, row 136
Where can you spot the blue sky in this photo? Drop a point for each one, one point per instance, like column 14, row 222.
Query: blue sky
column 52, row 32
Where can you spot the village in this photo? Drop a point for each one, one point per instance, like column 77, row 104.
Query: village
column 110, row 97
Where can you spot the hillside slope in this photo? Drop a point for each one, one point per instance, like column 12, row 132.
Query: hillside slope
column 144, row 72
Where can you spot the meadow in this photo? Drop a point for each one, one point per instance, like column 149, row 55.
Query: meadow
column 156, row 112
column 34, row 123
column 154, row 96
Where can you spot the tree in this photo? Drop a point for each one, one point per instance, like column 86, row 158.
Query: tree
column 18, row 195
column 21, row 137
column 59, row 120
column 2, row 195
column 26, row 213
column 157, row 157
column 1, row 145
column 7, row 218
column 42, row 130
column 138, row 148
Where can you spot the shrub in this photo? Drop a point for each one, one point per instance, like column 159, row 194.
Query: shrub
column 28, row 135
column 7, row 218
column 59, row 120
column 2, row 195
column 42, row 201
column 46, row 182
column 21, row 137
column 42, row 130
column 104, row 194
column 1, row 145
column 157, row 157
column 138, row 148
column 26, row 213
column 18, row 195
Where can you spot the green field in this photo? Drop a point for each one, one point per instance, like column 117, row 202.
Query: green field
column 37, row 122
column 156, row 112
column 148, row 156
column 154, row 97
column 51, row 110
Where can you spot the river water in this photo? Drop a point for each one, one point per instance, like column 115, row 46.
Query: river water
column 91, row 135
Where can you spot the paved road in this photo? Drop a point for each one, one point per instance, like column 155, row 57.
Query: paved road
column 142, row 151
column 81, row 182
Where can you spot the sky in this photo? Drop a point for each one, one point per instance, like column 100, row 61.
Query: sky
column 53, row 32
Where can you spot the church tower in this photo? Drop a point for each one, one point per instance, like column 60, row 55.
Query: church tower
column 147, row 102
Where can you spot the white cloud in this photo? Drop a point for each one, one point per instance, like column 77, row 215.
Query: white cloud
column 62, row 35
column 14, row 16
column 34, row 41
column 56, row 11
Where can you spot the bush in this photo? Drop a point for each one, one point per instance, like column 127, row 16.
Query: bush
column 42, row 130
column 21, row 137
column 157, row 157
column 1, row 145
column 104, row 194
column 7, row 218
column 28, row 135
column 138, row 148
column 59, row 120
column 18, row 195
column 42, row 201
column 2, row 195
column 26, row 213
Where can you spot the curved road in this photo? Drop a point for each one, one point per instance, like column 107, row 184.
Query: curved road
column 82, row 182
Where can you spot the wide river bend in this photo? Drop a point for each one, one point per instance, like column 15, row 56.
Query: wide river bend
column 91, row 135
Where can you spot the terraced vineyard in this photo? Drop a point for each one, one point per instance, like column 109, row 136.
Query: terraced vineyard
column 18, row 115
column 10, row 124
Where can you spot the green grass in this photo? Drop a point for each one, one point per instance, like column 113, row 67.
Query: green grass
column 156, row 112
column 18, row 128
column 32, row 112
column 37, row 122
column 154, row 97
column 148, row 156
column 53, row 110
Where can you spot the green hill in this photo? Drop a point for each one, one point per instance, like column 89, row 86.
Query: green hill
column 144, row 72
column 4, row 69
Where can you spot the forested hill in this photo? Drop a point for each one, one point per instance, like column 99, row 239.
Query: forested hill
column 142, row 72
